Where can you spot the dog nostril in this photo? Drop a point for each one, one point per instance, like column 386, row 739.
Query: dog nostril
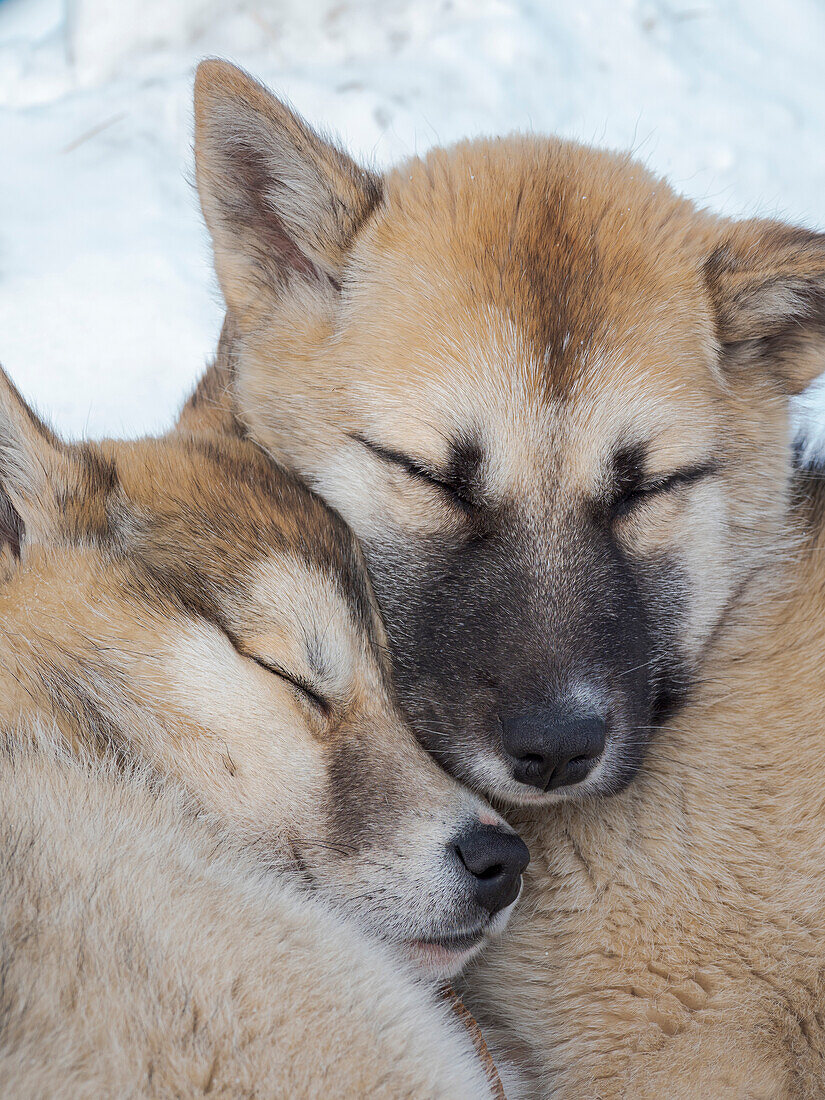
column 495, row 858
column 553, row 748
column 491, row 872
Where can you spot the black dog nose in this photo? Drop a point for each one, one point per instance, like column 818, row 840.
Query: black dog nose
column 495, row 858
column 553, row 748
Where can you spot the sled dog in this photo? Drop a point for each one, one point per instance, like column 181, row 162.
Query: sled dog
column 548, row 394
column 183, row 605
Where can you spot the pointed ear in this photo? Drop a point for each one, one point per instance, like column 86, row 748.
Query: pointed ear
column 767, row 287
column 33, row 467
column 280, row 202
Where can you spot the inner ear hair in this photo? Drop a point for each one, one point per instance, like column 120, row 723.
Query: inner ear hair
column 35, row 470
column 767, row 287
column 280, row 202
column 11, row 528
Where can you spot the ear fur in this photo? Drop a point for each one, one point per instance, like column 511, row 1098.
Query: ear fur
column 11, row 529
column 32, row 463
column 280, row 202
column 767, row 287
column 211, row 405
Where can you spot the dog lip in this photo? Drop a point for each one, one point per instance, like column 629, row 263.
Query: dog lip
column 455, row 942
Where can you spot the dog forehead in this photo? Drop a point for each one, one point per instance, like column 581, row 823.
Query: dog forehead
column 223, row 497
column 528, row 279
column 572, row 243
column 215, row 515
column 487, row 385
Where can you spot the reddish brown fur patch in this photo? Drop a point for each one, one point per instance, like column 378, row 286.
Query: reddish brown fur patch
column 570, row 243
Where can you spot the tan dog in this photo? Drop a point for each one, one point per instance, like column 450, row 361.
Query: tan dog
column 143, row 955
column 552, row 399
column 183, row 604
column 672, row 939
column 548, row 395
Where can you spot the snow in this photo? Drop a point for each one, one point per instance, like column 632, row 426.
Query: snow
column 108, row 305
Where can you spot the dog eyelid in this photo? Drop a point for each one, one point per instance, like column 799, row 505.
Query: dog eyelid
column 309, row 692
column 686, row 476
column 663, row 484
column 416, row 469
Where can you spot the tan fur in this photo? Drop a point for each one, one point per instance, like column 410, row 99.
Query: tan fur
column 182, row 608
column 553, row 304
column 144, row 955
column 163, row 585
column 647, row 367
column 672, row 939
column 553, row 301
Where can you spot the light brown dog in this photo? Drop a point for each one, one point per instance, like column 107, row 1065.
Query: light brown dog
column 548, row 395
column 184, row 606
column 183, row 602
column 551, row 397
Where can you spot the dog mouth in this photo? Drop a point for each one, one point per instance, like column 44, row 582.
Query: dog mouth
column 445, row 955
column 523, row 794
column 457, row 941
column 605, row 774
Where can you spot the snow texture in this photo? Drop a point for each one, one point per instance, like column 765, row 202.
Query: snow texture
column 108, row 306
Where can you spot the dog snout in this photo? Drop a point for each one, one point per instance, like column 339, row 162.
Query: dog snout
column 494, row 858
column 555, row 747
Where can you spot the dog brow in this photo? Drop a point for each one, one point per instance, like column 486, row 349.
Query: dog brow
column 315, row 658
column 464, row 463
column 629, row 464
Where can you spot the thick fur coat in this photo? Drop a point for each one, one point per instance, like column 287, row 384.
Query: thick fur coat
column 142, row 954
column 672, row 938
column 178, row 615
column 551, row 397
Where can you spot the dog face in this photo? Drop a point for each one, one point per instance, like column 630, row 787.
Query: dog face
column 548, row 395
column 184, row 602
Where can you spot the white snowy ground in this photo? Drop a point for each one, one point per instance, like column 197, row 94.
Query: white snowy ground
column 108, row 308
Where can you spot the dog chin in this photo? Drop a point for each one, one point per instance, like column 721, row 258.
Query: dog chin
column 444, row 957
column 440, row 961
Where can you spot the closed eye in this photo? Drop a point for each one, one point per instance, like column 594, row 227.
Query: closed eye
column 297, row 682
column 457, row 493
column 636, row 495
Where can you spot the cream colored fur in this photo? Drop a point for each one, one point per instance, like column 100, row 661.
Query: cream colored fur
column 142, row 954
column 167, row 608
column 553, row 303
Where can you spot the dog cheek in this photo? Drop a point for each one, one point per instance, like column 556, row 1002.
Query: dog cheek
column 666, row 591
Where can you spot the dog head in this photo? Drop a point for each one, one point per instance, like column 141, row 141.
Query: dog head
column 548, row 394
column 185, row 603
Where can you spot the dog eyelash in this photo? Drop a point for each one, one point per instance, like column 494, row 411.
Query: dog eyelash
column 416, row 470
column 318, row 701
column 633, row 496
